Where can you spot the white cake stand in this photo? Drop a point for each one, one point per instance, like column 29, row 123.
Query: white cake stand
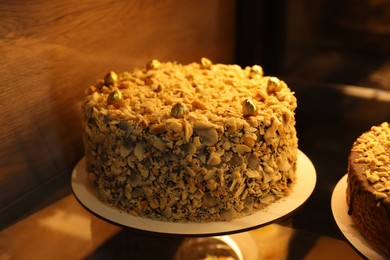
column 301, row 191
column 346, row 225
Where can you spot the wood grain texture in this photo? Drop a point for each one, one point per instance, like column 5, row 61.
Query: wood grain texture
column 52, row 50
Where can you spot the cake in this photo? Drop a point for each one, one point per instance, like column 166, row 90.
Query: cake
column 368, row 186
column 200, row 142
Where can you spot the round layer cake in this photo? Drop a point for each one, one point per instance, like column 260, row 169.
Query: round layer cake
column 190, row 143
column 368, row 189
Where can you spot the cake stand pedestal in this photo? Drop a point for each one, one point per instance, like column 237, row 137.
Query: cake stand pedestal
column 211, row 237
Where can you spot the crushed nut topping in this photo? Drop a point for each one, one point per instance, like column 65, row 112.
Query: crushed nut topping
column 374, row 149
column 175, row 142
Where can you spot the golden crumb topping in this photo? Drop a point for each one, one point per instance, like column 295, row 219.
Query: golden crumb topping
column 164, row 90
column 374, row 148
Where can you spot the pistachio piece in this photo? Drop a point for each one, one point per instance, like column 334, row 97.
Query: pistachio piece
column 205, row 63
column 197, row 104
column 373, row 178
column 174, row 126
column 110, row 79
column 188, row 131
column 379, row 195
column 274, row 85
column 249, row 108
column 158, row 128
column 229, row 214
column 179, row 110
column 139, row 151
column 153, row 65
column 256, row 71
column 115, row 98
column 125, row 151
column 207, row 133
column 128, row 191
column 242, row 149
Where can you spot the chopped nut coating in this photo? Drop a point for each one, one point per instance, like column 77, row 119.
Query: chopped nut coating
column 373, row 148
column 177, row 143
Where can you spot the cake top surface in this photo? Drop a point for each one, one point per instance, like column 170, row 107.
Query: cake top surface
column 202, row 91
column 373, row 148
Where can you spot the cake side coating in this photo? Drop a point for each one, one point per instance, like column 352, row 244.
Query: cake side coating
column 368, row 189
column 191, row 143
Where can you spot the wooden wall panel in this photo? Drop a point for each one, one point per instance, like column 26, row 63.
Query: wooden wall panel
column 50, row 51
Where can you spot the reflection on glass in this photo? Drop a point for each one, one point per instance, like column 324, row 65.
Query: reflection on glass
column 218, row 247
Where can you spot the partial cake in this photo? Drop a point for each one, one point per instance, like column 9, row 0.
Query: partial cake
column 368, row 190
column 190, row 143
